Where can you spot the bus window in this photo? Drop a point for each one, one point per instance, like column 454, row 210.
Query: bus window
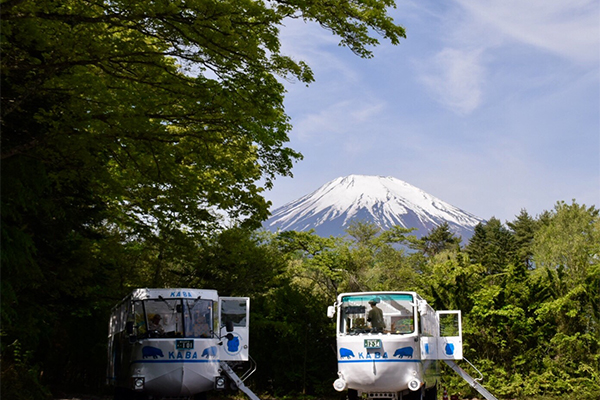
column 449, row 325
column 233, row 310
column 198, row 318
column 164, row 318
column 381, row 313
column 139, row 319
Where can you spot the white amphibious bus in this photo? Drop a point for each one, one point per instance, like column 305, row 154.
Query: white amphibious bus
column 176, row 343
column 388, row 344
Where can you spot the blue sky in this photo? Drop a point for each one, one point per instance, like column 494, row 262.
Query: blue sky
column 492, row 106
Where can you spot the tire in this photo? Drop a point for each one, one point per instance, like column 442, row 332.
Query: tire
column 140, row 396
column 200, row 396
column 417, row 395
column 431, row 393
column 122, row 393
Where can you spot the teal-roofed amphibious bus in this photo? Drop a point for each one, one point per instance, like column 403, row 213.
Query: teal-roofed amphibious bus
column 389, row 344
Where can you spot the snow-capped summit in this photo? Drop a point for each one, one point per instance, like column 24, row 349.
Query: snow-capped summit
column 385, row 201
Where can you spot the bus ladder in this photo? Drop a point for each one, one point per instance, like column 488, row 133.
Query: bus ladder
column 470, row 380
column 238, row 382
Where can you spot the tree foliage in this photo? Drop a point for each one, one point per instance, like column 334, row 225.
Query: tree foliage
column 129, row 128
column 439, row 239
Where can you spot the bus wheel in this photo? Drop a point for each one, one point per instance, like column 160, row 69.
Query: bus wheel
column 417, row 395
column 200, row 396
column 122, row 393
column 431, row 393
column 139, row 396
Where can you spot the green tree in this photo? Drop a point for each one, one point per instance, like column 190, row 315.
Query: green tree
column 492, row 245
column 523, row 229
column 128, row 128
column 378, row 259
column 238, row 262
column 437, row 240
column 171, row 108
column 363, row 233
column 315, row 262
column 566, row 249
column 569, row 240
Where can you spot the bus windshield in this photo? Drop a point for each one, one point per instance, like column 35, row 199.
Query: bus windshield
column 174, row 318
column 378, row 313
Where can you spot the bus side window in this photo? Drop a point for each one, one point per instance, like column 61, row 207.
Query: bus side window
column 140, row 319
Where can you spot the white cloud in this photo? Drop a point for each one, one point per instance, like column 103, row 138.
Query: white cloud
column 569, row 29
column 341, row 118
column 455, row 78
column 456, row 75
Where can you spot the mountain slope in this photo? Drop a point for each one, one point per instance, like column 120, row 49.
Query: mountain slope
column 385, row 201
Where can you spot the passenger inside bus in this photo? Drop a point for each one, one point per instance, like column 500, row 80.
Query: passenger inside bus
column 201, row 329
column 155, row 326
column 198, row 317
column 375, row 316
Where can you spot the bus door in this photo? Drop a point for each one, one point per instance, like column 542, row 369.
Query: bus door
column 450, row 335
column 428, row 333
column 234, row 314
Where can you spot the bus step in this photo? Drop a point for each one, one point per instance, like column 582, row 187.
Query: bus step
column 238, row 382
column 470, row 380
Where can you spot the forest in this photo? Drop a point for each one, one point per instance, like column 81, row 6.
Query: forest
column 138, row 138
column 529, row 292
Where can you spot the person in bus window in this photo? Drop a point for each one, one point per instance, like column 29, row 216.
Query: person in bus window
column 155, row 325
column 375, row 316
column 200, row 327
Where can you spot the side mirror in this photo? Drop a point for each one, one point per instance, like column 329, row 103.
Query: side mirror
column 330, row 311
column 423, row 307
column 229, row 326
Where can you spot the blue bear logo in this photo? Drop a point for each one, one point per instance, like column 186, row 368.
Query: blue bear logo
column 346, row 353
column 404, row 352
column 209, row 352
column 233, row 345
column 149, row 351
column 449, row 349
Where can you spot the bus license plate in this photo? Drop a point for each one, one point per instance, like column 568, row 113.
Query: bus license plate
column 372, row 343
column 184, row 345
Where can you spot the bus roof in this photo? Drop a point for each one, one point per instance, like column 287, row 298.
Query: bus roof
column 175, row 293
column 380, row 293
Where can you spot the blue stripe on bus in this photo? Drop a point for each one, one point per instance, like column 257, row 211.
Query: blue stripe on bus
column 376, row 360
column 173, row 361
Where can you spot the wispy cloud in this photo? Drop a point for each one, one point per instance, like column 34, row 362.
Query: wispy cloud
column 456, row 75
column 455, row 78
column 342, row 118
column 569, row 29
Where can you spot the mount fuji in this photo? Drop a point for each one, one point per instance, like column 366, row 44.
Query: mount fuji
column 384, row 201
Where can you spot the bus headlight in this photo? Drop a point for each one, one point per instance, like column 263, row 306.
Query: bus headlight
column 220, row 383
column 414, row 384
column 138, row 383
column 339, row 385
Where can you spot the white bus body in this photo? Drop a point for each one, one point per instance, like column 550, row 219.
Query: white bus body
column 181, row 356
column 396, row 354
